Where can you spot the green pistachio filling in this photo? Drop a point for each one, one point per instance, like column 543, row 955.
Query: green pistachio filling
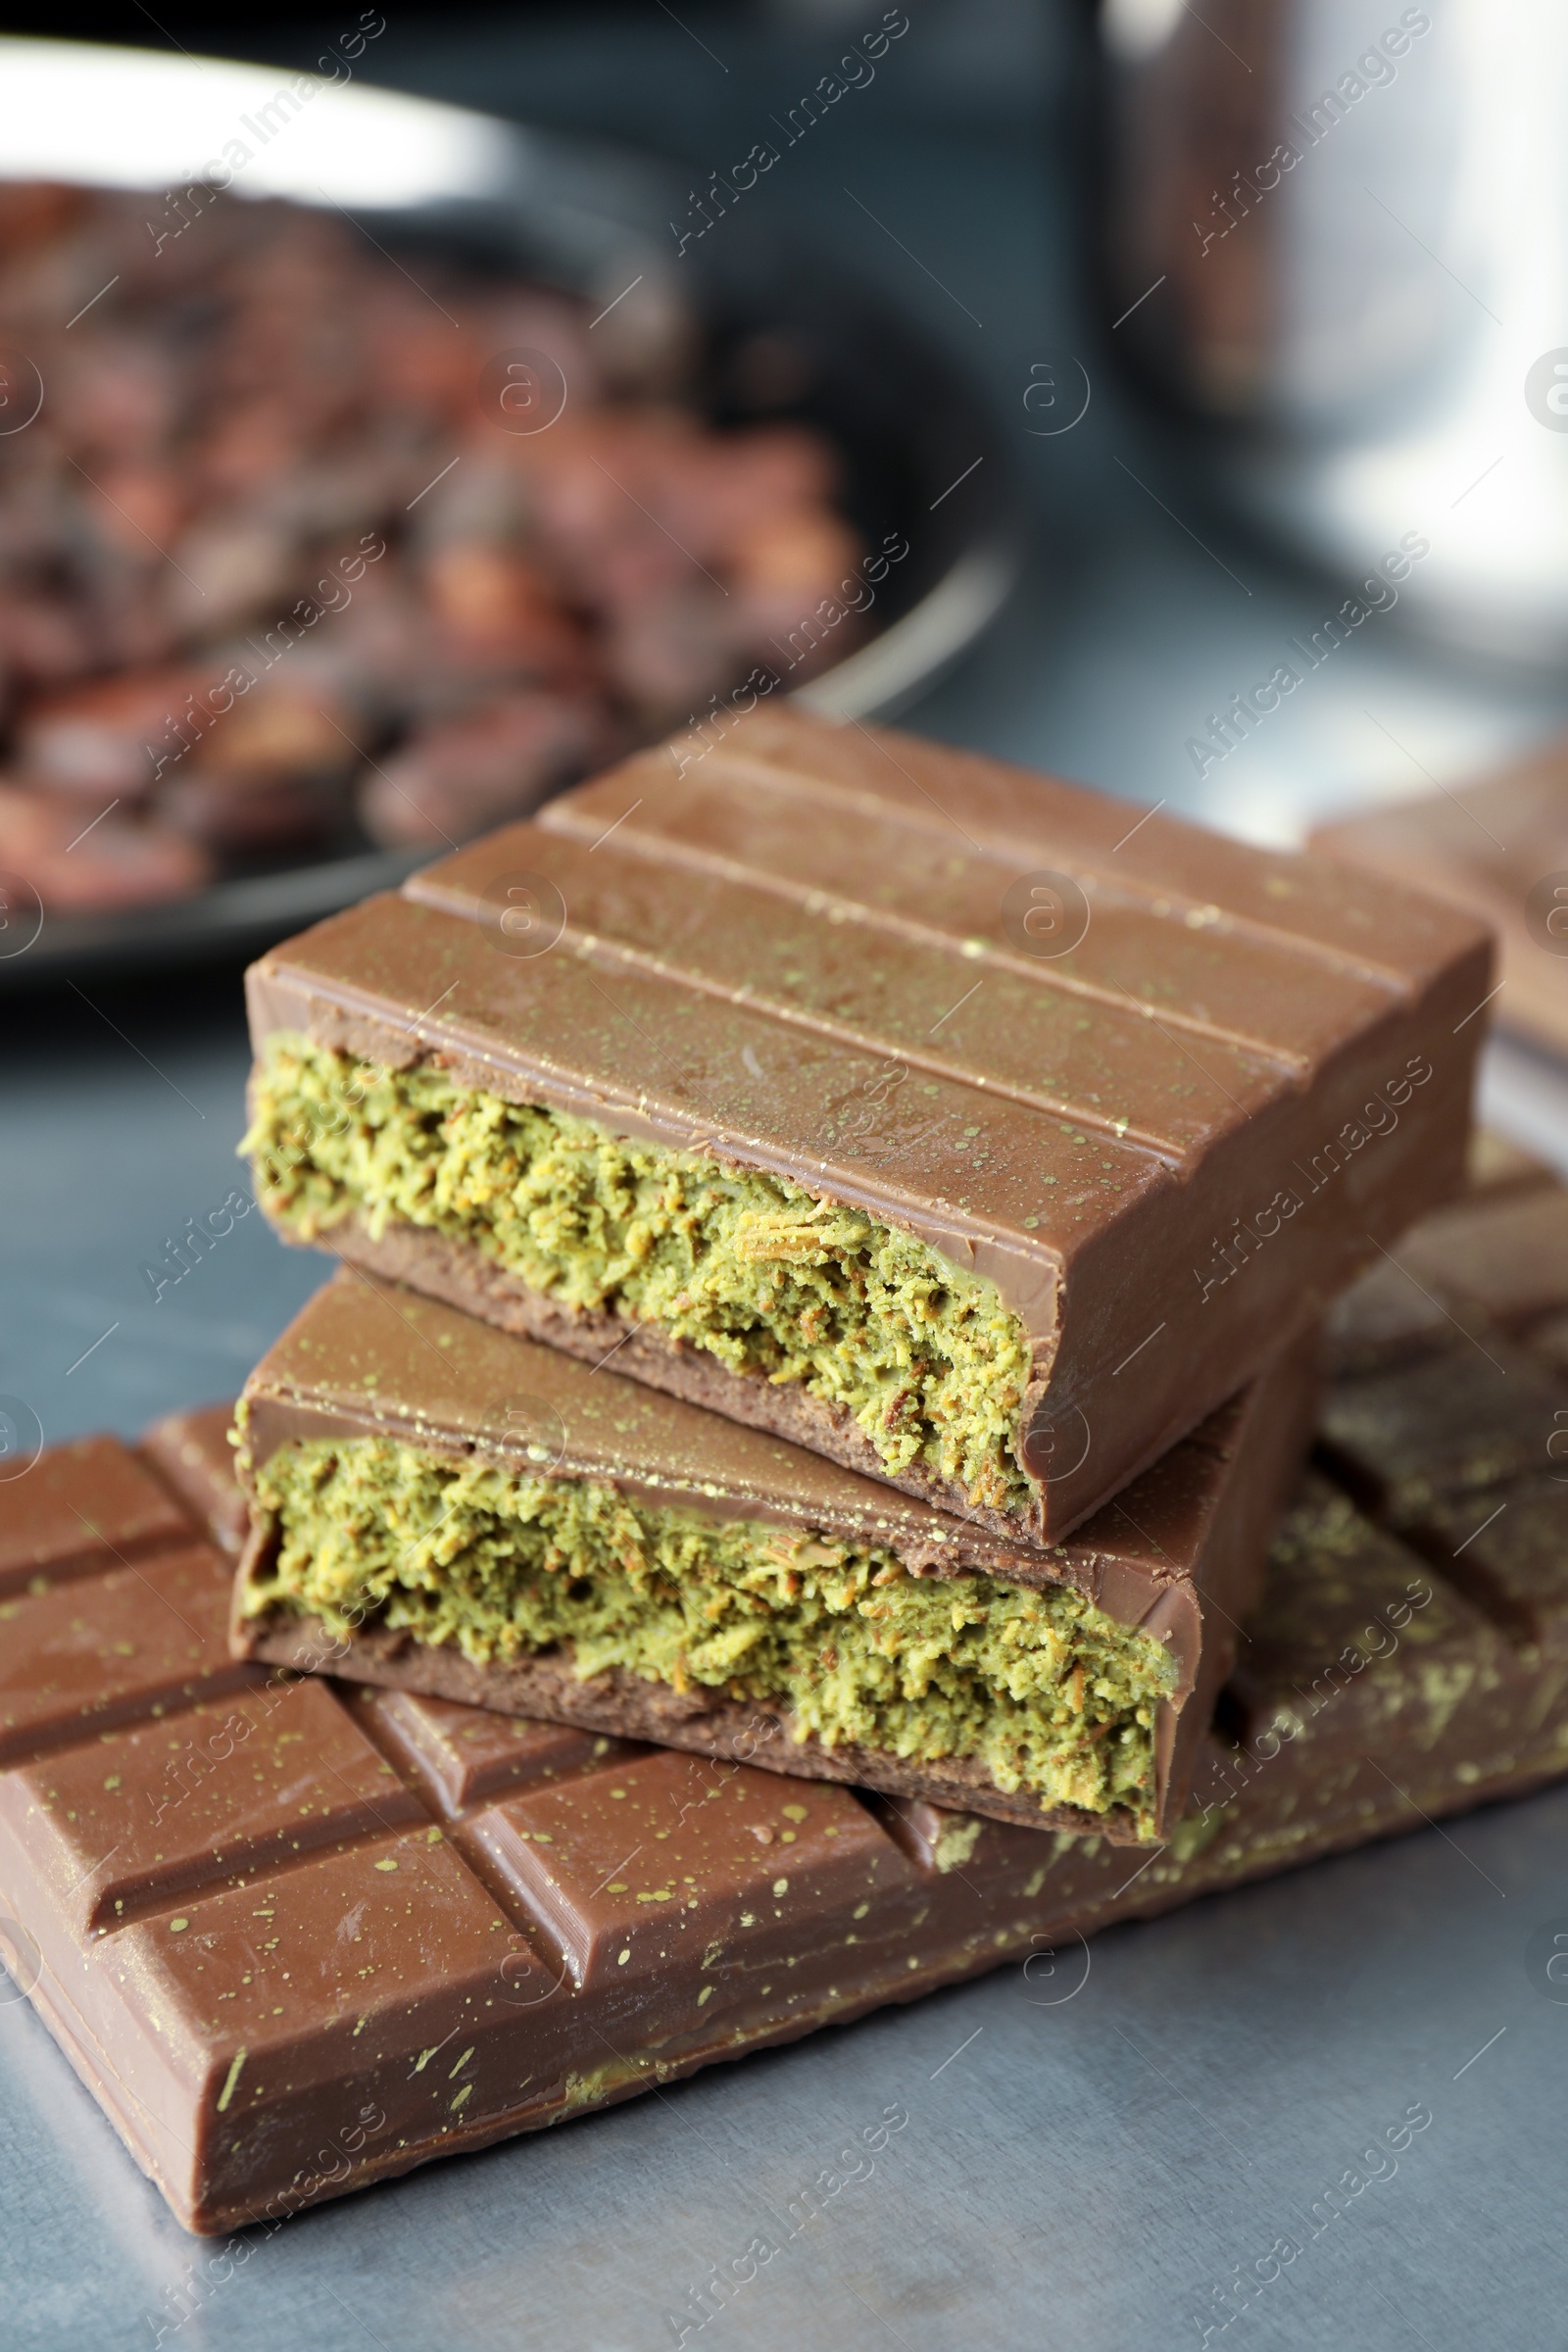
column 1043, row 1689
column 772, row 1281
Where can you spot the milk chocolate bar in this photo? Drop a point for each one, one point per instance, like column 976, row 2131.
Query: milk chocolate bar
column 296, row 1936
column 449, row 1509
column 935, row 1116
column 1498, row 850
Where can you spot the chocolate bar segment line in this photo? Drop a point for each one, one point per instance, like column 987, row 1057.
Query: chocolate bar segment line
column 1152, row 956
column 148, row 1636
column 907, row 790
column 125, row 1506
column 1151, row 1200
column 924, row 1003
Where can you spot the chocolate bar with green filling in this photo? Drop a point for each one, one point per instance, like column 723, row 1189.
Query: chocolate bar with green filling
column 939, row 1117
column 450, row 1508
column 253, row 1909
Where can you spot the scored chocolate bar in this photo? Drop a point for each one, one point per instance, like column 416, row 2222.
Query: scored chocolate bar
column 1499, row 849
column 915, row 1107
column 296, row 1936
column 450, row 1508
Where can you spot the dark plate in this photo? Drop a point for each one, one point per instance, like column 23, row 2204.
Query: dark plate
column 921, row 452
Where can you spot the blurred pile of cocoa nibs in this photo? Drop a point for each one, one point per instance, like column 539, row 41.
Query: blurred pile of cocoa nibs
column 297, row 552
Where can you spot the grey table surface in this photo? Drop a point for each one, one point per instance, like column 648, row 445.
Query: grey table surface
column 1083, row 2170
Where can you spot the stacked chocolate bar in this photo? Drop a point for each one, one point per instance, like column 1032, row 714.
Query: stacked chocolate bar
column 833, row 1237
column 944, row 1154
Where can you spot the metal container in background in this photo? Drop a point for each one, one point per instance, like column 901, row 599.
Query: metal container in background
column 1335, row 233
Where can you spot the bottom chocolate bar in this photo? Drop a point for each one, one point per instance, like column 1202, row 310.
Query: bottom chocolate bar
column 296, row 1935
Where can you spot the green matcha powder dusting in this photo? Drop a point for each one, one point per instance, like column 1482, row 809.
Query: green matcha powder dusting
column 772, row 1281
column 1049, row 1694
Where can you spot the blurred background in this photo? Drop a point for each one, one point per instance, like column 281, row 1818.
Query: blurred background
column 1194, row 376
column 1169, row 393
